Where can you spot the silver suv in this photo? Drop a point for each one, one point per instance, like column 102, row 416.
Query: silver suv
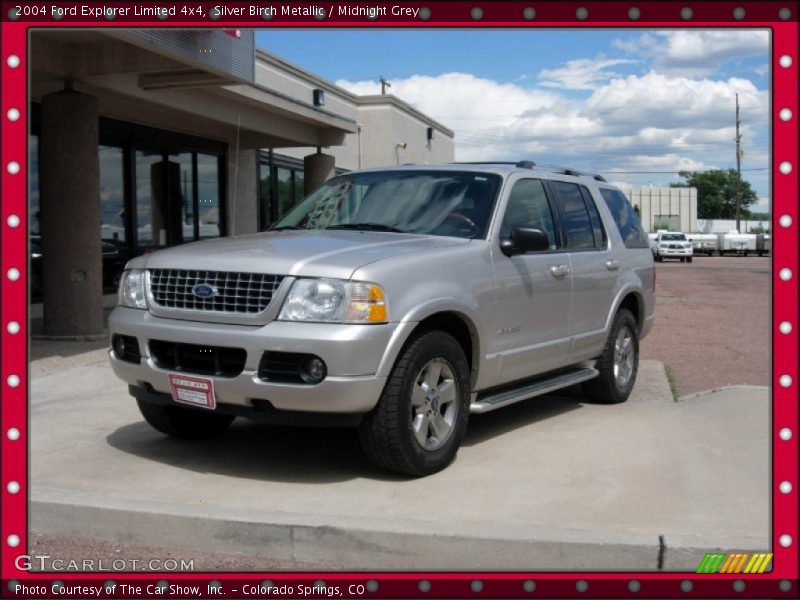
column 397, row 300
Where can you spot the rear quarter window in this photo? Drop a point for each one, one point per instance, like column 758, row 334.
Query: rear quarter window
column 628, row 223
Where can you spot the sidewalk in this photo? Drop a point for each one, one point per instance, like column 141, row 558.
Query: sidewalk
column 551, row 483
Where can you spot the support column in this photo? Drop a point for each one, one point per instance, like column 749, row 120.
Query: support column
column 243, row 192
column 72, row 273
column 318, row 169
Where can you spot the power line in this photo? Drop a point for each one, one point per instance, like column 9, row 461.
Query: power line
column 669, row 172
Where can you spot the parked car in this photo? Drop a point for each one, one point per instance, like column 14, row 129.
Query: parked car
column 672, row 244
column 114, row 256
column 737, row 243
column 397, row 300
column 703, row 243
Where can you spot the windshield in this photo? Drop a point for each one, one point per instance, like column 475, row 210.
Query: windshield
column 673, row 237
column 448, row 203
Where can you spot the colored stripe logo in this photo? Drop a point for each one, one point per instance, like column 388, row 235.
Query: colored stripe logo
column 735, row 562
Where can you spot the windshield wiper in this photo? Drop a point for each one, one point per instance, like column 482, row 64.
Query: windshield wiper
column 283, row 228
column 366, row 227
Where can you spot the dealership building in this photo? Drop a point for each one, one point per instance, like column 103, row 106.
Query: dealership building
column 146, row 138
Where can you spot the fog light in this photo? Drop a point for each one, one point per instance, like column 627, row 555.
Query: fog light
column 313, row 370
column 119, row 346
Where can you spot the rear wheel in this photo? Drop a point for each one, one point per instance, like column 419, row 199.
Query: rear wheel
column 618, row 364
column 689, row 259
column 419, row 421
column 185, row 423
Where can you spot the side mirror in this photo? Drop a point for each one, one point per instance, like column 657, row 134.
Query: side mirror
column 524, row 239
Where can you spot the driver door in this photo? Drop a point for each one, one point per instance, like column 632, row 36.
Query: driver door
column 533, row 290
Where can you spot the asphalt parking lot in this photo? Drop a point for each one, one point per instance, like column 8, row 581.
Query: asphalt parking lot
column 712, row 324
column 557, row 483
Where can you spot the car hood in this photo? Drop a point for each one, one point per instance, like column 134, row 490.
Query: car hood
column 299, row 253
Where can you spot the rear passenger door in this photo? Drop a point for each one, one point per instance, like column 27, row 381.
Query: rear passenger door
column 593, row 268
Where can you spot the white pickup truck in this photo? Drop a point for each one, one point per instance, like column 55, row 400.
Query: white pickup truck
column 671, row 244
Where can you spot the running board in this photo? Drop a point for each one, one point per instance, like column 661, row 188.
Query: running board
column 530, row 389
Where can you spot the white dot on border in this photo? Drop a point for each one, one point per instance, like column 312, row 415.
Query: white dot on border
column 476, row 586
column 529, row 13
column 634, row 586
column 424, row 13
column 785, row 487
column 13, row 434
column 13, row 540
column 12, row 487
column 785, row 585
column 785, row 61
column 739, row 13
column 12, row 381
column 686, row 586
column 785, row 327
column 785, row 540
column 686, row 13
column 785, row 167
column 12, row 327
column 476, row 13
column 12, row 221
column 424, row 586
column 582, row 585
column 13, row 61
column 785, row 434
column 13, row 274
column 785, row 114
column 738, row 585
column 785, row 380
column 372, row 585
column 109, row 585
column 785, row 220
column 785, row 274
column 12, row 114
column 529, row 585
column 582, row 13
column 634, row 13
column 13, row 167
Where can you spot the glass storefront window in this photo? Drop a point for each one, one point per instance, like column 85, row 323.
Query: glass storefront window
column 151, row 203
column 208, row 208
column 112, row 194
column 33, row 182
column 264, row 196
column 285, row 195
column 299, row 186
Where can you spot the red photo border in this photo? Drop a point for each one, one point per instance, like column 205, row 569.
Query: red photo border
column 781, row 582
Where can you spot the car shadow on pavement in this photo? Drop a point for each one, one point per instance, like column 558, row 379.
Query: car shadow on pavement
column 302, row 454
column 257, row 451
column 483, row 428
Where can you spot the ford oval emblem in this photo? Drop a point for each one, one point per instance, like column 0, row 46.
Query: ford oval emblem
column 204, row 291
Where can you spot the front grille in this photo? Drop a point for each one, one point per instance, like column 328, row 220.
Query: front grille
column 201, row 360
column 242, row 293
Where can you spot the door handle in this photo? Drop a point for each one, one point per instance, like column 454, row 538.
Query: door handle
column 559, row 271
column 612, row 265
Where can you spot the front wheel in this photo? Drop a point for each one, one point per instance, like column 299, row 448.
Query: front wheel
column 418, row 424
column 618, row 364
column 689, row 259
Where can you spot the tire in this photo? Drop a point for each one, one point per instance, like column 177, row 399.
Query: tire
column 184, row 423
column 689, row 259
column 606, row 388
column 392, row 433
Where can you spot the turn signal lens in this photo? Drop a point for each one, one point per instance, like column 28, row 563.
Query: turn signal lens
column 366, row 304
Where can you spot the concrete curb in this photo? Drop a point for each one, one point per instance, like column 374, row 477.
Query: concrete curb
column 358, row 543
column 694, row 395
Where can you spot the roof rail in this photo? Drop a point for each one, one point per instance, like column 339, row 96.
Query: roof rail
column 529, row 164
column 573, row 172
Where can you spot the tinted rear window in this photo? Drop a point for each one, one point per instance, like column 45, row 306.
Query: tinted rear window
column 578, row 226
column 628, row 223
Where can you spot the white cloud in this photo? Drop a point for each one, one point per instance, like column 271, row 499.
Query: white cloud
column 648, row 122
column 582, row 73
column 696, row 53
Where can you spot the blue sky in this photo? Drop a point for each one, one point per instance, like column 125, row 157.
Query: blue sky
column 614, row 101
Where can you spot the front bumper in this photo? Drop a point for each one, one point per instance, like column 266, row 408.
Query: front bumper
column 680, row 252
column 352, row 354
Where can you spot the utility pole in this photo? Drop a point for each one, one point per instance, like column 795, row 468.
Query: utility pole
column 738, row 167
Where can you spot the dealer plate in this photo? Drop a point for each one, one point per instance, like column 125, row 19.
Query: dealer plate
column 194, row 391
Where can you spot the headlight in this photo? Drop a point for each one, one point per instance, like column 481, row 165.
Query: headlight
column 131, row 289
column 334, row 301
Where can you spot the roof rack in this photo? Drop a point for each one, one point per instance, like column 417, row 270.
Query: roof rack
column 529, row 164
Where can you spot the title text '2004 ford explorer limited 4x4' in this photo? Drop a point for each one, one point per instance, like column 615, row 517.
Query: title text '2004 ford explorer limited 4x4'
column 397, row 300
